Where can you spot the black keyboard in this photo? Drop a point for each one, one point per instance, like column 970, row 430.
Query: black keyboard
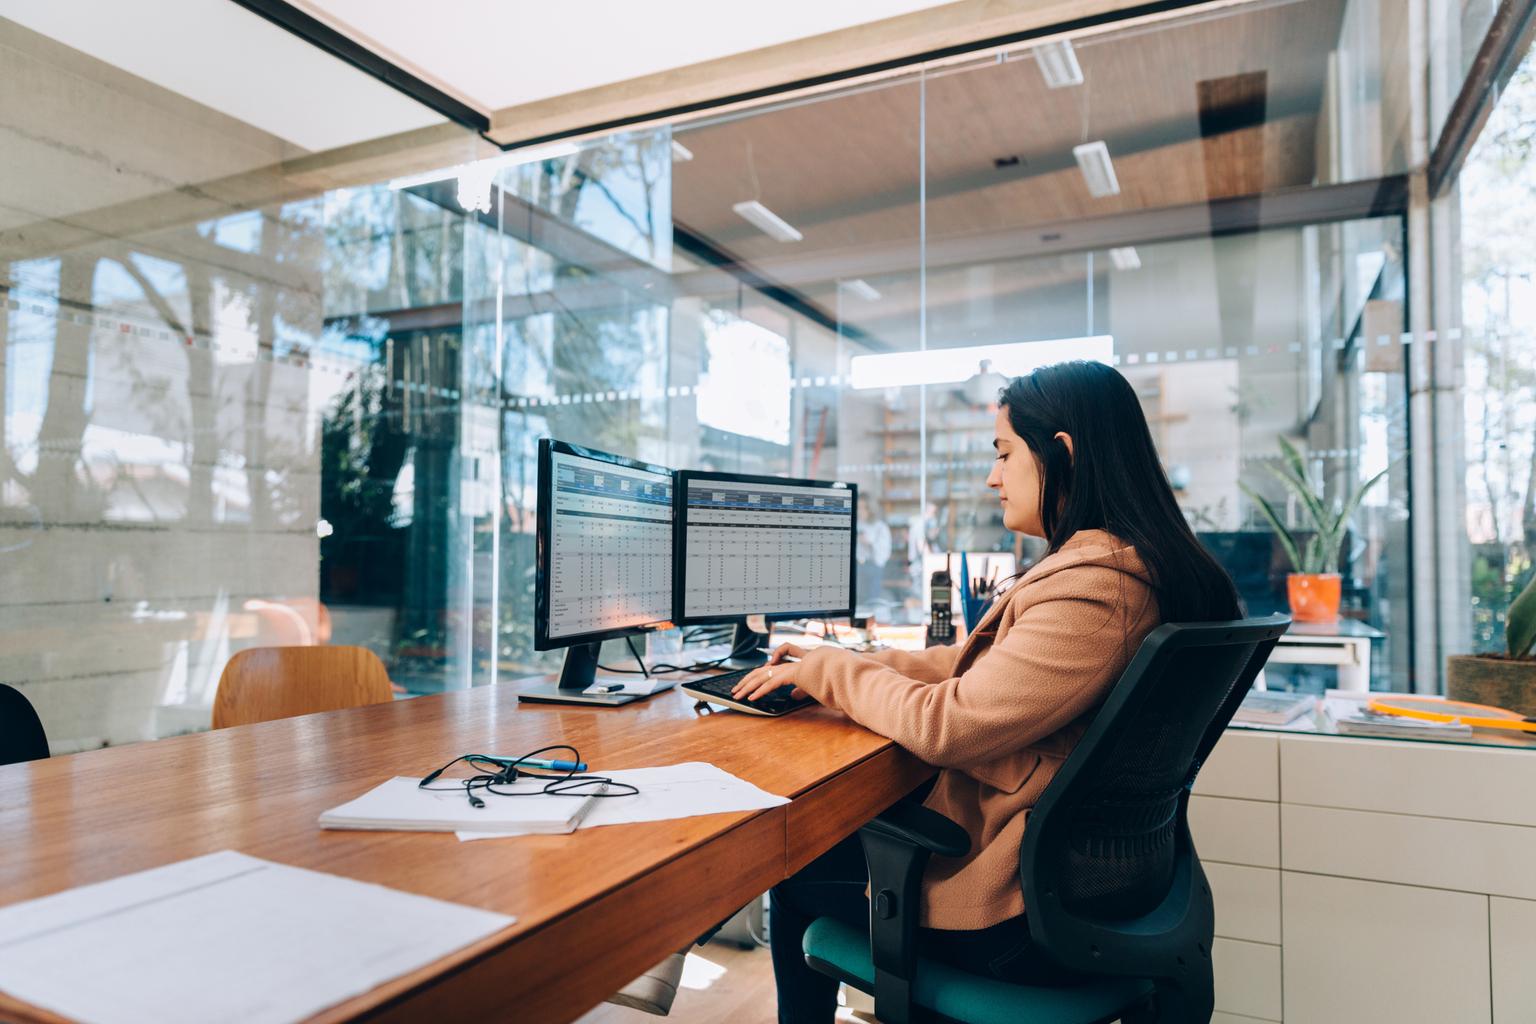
column 717, row 690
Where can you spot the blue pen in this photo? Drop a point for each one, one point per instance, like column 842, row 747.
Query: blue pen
column 539, row 762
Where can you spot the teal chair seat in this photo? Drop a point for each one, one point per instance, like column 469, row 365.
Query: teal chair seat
column 843, row 952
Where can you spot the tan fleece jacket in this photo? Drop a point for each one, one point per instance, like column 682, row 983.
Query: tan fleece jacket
column 1001, row 712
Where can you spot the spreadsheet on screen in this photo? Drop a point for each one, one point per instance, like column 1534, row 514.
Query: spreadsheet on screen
column 610, row 547
column 766, row 548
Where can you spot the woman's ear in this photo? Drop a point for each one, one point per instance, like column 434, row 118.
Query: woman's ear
column 1066, row 439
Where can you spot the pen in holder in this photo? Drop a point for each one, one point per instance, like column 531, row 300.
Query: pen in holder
column 967, row 595
column 976, row 595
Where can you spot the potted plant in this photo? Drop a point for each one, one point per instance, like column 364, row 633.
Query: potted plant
column 1313, row 587
column 1505, row 680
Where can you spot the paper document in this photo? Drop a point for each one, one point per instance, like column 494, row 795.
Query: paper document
column 226, row 938
column 401, row 805
column 675, row 791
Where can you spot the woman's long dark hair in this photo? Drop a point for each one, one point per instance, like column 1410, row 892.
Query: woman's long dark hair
column 1113, row 481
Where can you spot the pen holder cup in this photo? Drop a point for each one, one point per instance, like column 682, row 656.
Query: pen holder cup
column 975, row 611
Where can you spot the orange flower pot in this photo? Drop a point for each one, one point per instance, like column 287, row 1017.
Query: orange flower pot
column 1314, row 597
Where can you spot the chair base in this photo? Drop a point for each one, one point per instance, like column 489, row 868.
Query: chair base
column 946, row 993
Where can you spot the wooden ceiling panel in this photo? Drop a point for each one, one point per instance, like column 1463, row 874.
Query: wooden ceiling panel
column 845, row 172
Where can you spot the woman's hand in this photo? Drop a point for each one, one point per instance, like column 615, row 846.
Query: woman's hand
column 782, row 668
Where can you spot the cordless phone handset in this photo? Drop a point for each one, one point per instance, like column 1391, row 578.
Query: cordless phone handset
column 941, row 628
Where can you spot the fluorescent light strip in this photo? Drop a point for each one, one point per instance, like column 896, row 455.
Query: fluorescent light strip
column 953, row 365
column 1099, row 174
column 766, row 221
column 862, row 288
column 1125, row 258
column 1058, row 64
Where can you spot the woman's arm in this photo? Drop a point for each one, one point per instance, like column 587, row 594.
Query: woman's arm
column 1058, row 659
column 930, row 665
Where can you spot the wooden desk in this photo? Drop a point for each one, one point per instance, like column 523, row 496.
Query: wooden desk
column 593, row 909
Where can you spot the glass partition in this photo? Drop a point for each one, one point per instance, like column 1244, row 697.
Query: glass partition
column 1497, row 193
column 264, row 386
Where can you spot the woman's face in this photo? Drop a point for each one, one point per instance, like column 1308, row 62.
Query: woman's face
column 1015, row 477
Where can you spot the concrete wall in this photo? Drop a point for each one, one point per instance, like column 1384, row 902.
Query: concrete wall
column 159, row 467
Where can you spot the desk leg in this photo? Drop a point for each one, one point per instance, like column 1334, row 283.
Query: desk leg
column 1355, row 674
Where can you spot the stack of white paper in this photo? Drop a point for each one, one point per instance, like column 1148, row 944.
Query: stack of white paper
column 226, row 938
column 673, row 791
column 401, row 805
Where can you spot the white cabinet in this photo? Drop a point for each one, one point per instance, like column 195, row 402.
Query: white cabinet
column 1477, row 856
column 1362, row 951
column 1363, row 880
column 1247, row 901
column 1245, row 765
column 1235, row 831
column 1247, row 978
column 1512, row 935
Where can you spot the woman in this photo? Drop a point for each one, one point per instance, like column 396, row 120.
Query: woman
column 1000, row 713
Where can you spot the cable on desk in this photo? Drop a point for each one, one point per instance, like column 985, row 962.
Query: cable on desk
column 495, row 771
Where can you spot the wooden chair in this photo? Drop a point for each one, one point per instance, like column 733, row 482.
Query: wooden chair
column 263, row 683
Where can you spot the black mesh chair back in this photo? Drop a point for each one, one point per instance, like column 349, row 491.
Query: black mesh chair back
column 1111, row 880
column 21, row 733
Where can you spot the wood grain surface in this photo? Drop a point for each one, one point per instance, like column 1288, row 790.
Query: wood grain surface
column 593, row 909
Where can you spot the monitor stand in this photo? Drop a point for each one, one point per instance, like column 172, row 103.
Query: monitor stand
column 755, row 645
column 580, row 671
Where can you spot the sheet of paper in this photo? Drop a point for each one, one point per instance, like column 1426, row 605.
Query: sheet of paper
column 673, row 791
column 400, row 804
column 225, row 937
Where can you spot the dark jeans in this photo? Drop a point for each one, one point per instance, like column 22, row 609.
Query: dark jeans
column 833, row 886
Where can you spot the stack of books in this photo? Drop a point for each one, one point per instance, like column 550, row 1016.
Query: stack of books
column 1365, row 722
column 1273, row 707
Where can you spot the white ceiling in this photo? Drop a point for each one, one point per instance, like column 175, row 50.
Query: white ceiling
column 495, row 53
column 222, row 56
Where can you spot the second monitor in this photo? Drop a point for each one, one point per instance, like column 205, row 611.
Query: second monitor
column 761, row 545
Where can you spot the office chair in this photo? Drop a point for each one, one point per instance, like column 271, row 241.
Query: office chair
column 21, row 731
column 263, row 683
column 1113, row 886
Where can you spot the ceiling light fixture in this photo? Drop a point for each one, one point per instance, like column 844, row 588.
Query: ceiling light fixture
column 1125, row 258
column 681, row 154
column 766, row 221
column 1058, row 64
column 862, row 288
column 1099, row 174
column 952, row 365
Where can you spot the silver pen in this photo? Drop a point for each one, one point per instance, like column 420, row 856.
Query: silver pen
column 586, row 807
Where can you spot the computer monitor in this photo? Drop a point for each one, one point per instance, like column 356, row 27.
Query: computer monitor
column 762, row 545
column 603, row 562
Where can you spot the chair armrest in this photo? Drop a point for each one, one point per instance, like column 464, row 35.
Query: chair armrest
column 897, row 846
column 923, row 828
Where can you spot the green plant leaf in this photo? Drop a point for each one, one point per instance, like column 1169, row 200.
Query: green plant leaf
column 1353, row 504
column 1303, row 491
column 1347, row 512
column 1300, row 482
column 1292, row 457
column 1520, row 622
column 1313, row 557
column 1286, row 540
